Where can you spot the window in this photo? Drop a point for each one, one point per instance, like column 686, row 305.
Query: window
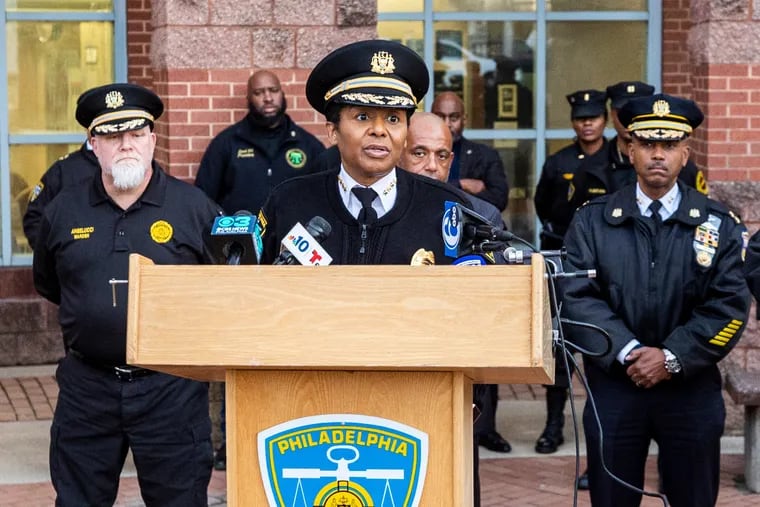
column 54, row 50
column 514, row 61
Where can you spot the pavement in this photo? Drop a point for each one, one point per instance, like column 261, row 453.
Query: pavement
column 521, row 477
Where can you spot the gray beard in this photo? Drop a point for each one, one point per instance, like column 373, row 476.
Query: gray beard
column 128, row 174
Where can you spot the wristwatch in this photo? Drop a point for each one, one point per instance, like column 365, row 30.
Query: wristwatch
column 672, row 364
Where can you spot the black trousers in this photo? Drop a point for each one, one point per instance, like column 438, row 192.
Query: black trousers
column 486, row 398
column 163, row 419
column 685, row 418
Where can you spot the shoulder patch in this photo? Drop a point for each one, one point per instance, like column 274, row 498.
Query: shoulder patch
column 36, row 191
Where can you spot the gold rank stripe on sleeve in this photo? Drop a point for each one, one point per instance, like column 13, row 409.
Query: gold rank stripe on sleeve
column 725, row 334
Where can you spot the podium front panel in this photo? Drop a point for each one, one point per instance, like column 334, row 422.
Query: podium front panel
column 438, row 404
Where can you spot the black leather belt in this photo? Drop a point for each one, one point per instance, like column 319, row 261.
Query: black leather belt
column 124, row 373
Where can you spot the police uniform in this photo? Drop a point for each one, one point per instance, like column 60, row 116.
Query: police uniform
column 556, row 195
column 245, row 161
column 353, row 75
column 70, row 170
column 674, row 284
column 104, row 406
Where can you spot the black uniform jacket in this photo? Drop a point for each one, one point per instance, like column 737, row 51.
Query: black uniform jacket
column 658, row 289
column 85, row 240
column 623, row 173
column 555, row 197
column 239, row 168
column 482, row 162
column 414, row 222
column 72, row 169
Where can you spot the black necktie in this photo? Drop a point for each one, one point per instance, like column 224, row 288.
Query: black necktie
column 367, row 214
column 656, row 217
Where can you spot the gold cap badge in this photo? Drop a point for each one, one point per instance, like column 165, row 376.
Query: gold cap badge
column 114, row 99
column 661, row 108
column 617, row 212
column 631, row 88
column 382, row 63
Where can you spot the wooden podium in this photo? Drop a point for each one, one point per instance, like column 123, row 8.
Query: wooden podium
column 398, row 342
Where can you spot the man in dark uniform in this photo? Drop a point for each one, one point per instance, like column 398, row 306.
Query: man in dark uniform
column 670, row 293
column 621, row 170
column 86, row 235
column 246, row 160
column 379, row 214
column 477, row 169
column 556, row 199
column 72, row 169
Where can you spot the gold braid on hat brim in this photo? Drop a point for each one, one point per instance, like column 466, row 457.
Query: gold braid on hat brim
column 388, row 83
column 660, row 129
column 133, row 119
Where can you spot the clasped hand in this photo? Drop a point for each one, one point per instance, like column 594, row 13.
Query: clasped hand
column 647, row 368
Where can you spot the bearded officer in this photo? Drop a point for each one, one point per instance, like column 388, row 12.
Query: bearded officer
column 106, row 407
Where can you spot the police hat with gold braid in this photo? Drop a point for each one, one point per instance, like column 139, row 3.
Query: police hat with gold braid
column 660, row 117
column 376, row 73
column 118, row 107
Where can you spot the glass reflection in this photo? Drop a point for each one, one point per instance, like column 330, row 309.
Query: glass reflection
column 28, row 163
column 490, row 65
column 49, row 65
column 518, row 157
column 583, row 55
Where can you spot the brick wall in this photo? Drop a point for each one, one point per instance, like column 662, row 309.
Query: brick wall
column 139, row 28
column 676, row 58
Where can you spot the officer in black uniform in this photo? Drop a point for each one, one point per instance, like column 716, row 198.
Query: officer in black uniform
column 86, row 235
column 379, row 214
column 621, row 170
column 555, row 196
column 70, row 170
column 246, row 160
column 670, row 293
column 556, row 199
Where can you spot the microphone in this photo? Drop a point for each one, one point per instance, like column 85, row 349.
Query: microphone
column 236, row 239
column 461, row 228
column 301, row 245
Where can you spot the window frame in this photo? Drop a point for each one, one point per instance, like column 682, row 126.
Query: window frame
column 118, row 16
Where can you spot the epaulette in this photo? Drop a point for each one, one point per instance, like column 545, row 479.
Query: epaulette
column 721, row 208
column 64, row 157
column 602, row 199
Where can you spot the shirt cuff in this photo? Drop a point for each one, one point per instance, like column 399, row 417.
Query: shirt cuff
column 625, row 350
